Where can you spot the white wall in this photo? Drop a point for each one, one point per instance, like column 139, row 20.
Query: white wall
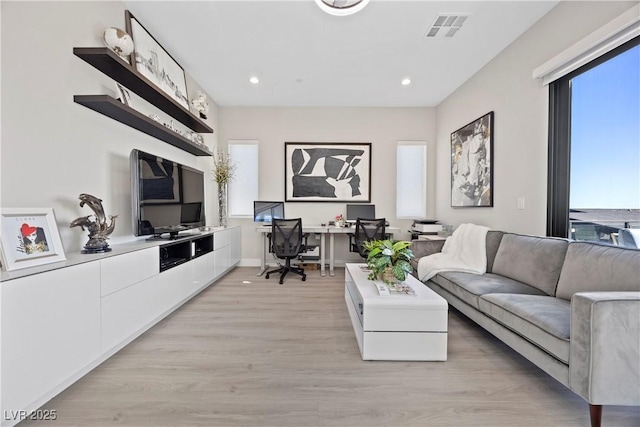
column 54, row 149
column 272, row 127
column 520, row 103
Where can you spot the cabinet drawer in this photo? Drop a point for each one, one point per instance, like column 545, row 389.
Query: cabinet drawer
column 203, row 270
column 220, row 239
column 50, row 331
column 129, row 310
column 121, row 271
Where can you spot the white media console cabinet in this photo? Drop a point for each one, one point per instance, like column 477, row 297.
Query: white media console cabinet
column 59, row 321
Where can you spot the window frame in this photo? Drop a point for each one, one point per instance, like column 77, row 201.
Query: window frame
column 559, row 150
column 251, row 142
column 425, row 182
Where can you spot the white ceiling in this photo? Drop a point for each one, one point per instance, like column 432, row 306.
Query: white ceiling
column 306, row 57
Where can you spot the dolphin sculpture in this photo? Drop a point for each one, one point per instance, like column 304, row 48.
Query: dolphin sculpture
column 99, row 230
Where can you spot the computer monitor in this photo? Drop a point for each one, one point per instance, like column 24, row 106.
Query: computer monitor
column 190, row 212
column 360, row 211
column 265, row 211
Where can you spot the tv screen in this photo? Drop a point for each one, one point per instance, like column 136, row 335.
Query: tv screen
column 265, row 211
column 167, row 197
column 360, row 211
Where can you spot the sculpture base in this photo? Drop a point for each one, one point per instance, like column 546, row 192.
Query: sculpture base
column 95, row 250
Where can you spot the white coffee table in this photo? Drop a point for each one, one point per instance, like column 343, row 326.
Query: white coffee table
column 396, row 326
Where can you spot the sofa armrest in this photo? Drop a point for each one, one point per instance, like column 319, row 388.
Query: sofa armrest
column 604, row 360
column 422, row 248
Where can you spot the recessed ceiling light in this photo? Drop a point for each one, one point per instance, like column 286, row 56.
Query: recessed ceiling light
column 342, row 7
column 254, row 80
column 406, row 81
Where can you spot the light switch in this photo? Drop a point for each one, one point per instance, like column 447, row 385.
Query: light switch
column 520, row 203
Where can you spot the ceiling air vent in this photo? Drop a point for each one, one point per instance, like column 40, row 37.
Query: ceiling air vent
column 446, row 25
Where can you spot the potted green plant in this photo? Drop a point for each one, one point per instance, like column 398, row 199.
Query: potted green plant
column 388, row 260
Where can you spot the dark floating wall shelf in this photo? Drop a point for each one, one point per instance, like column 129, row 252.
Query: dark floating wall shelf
column 119, row 70
column 113, row 108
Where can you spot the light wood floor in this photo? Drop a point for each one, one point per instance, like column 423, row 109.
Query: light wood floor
column 263, row 354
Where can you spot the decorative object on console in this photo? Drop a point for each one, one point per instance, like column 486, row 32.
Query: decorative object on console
column 155, row 63
column 119, row 41
column 198, row 139
column 123, row 94
column 99, row 230
column 472, row 164
column 200, row 104
column 327, row 172
column 389, row 261
column 29, row 237
column 223, row 171
column 342, row 7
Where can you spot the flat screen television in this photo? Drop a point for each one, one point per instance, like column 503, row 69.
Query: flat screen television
column 167, row 197
column 264, row 212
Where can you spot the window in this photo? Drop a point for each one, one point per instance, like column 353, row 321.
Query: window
column 411, row 179
column 243, row 188
column 594, row 148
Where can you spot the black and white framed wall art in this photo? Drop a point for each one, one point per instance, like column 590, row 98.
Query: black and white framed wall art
column 327, row 172
column 472, row 164
column 155, row 63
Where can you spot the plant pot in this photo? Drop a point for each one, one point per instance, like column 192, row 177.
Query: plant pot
column 388, row 277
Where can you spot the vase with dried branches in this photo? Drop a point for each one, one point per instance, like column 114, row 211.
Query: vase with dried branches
column 223, row 172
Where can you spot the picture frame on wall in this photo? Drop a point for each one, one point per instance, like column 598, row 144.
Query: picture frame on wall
column 472, row 164
column 29, row 238
column 155, row 63
column 327, row 172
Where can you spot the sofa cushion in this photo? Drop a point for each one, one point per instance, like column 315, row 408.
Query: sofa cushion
column 543, row 320
column 469, row 287
column 590, row 267
column 493, row 243
column 535, row 261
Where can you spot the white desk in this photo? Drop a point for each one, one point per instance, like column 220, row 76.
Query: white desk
column 305, row 229
column 317, row 229
column 346, row 230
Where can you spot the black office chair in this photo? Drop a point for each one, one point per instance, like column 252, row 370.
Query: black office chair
column 367, row 229
column 286, row 243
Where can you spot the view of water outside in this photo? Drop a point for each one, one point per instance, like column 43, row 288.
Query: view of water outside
column 605, row 149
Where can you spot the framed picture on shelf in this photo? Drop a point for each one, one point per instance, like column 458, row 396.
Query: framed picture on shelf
column 327, row 172
column 123, row 94
column 472, row 164
column 155, row 63
column 29, row 238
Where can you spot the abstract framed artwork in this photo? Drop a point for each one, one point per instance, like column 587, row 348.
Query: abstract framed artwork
column 155, row 63
column 472, row 164
column 29, row 238
column 327, row 172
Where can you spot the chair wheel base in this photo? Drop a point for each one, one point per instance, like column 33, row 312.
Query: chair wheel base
column 304, row 278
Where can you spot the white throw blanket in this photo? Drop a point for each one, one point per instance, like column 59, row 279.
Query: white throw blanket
column 465, row 250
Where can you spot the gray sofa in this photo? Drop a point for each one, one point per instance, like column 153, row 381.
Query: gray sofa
column 571, row 308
